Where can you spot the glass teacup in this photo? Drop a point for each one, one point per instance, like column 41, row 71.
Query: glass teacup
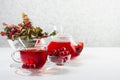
column 31, row 57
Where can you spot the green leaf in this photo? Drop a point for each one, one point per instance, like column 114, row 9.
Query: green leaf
column 23, row 37
column 7, row 30
column 28, row 32
column 38, row 30
column 53, row 33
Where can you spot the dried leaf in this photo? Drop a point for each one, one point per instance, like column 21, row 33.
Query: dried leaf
column 53, row 33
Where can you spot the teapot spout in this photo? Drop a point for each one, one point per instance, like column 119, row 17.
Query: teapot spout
column 79, row 47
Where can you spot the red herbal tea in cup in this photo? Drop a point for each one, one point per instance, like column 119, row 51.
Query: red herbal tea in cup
column 32, row 58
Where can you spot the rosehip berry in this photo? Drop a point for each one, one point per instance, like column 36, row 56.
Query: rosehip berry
column 28, row 24
column 10, row 35
column 58, row 50
column 59, row 56
column 63, row 49
column 28, row 65
column 13, row 31
column 24, row 66
column 18, row 31
column 66, row 53
column 2, row 33
column 34, row 66
column 64, row 59
column 54, row 53
column 61, row 53
column 50, row 53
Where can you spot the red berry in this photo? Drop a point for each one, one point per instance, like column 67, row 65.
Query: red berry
column 50, row 53
column 2, row 33
column 10, row 35
column 54, row 54
column 58, row 50
column 28, row 24
column 34, row 65
column 64, row 59
column 24, row 66
column 63, row 49
column 59, row 56
column 28, row 65
column 18, row 31
column 61, row 53
column 13, row 30
column 66, row 53
column 55, row 51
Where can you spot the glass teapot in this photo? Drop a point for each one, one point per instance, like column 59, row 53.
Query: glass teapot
column 67, row 42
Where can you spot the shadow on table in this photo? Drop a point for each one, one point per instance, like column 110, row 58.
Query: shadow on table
column 74, row 63
column 58, row 70
column 47, row 70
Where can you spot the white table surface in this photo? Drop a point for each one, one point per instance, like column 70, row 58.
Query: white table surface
column 92, row 64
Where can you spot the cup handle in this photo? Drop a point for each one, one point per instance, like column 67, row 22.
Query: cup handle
column 13, row 56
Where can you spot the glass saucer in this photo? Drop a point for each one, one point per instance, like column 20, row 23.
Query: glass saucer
column 26, row 72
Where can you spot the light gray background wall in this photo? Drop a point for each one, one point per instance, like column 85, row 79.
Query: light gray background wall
column 96, row 22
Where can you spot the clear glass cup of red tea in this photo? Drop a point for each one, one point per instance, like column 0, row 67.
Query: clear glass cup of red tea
column 31, row 57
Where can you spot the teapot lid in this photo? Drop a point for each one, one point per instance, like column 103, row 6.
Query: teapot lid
column 63, row 38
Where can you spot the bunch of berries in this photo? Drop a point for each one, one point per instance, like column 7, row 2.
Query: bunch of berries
column 59, row 56
column 29, row 66
column 24, row 30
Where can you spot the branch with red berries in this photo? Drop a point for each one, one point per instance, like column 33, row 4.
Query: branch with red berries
column 24, row 30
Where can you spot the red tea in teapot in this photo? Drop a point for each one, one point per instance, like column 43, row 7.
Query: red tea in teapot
column 68, row 43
